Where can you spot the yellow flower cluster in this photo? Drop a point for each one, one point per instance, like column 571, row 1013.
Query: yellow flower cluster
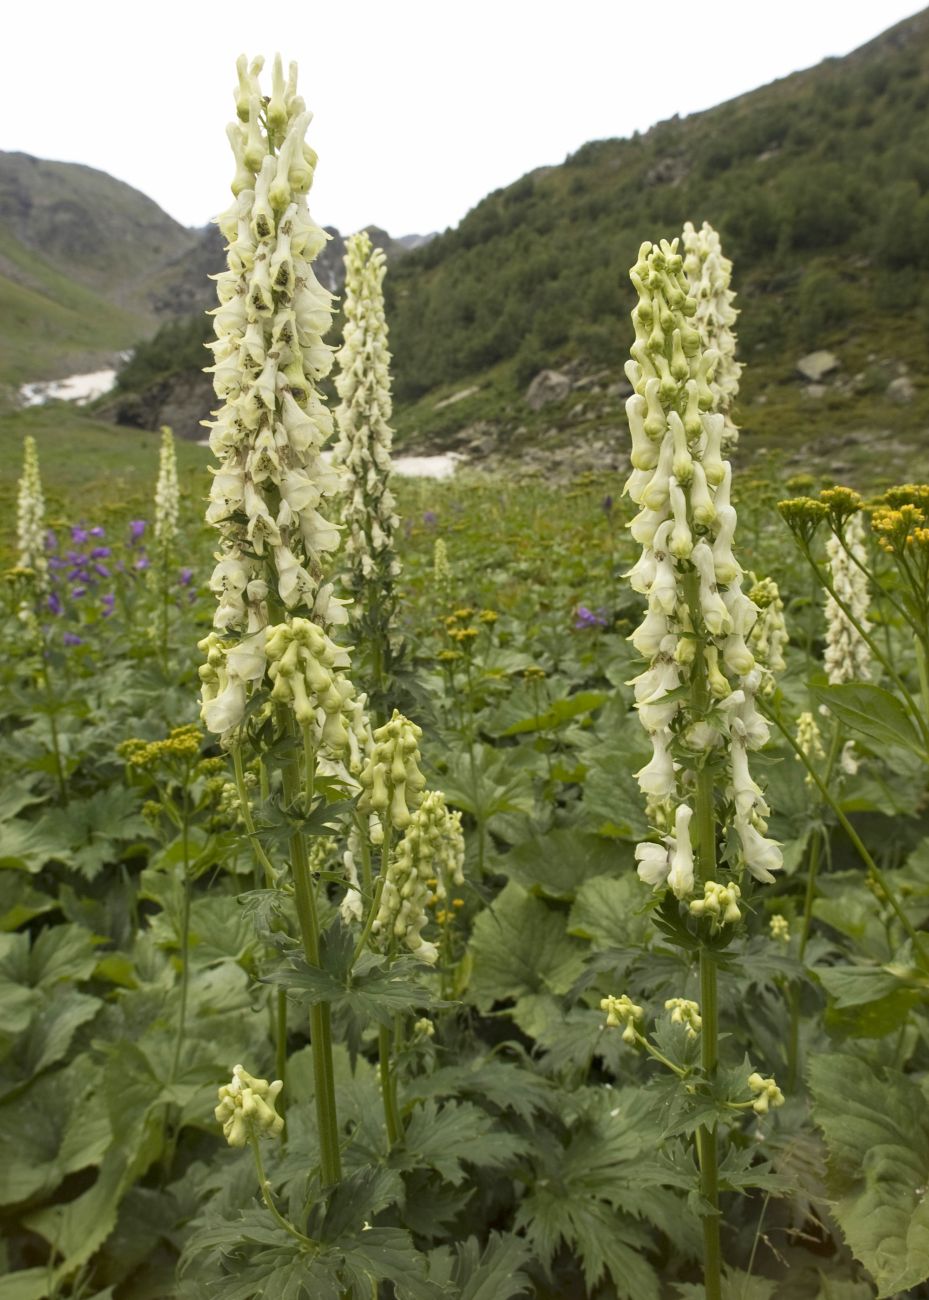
column 303, row 664
column 182, row 742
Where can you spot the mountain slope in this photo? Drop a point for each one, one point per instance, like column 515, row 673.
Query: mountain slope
column 819, row 185
column 82, row 256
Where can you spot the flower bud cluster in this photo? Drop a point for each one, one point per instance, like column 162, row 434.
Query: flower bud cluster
column 432, row 848
column 686, row 1013
column 622, row 1011
column 709, row 275
column 767, row 1094
column 303, row 665
column 696, row 699
column 246, row 1106
column 167, row 496
column 847, row 657
column 720, row 903
column 269, row 430
column 391, row 780
column 769, row 636
column 810, row 743
column 30, row 517
column 780, row 928
column 365, row 435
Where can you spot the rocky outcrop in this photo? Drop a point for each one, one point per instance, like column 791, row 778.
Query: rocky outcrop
column 816, row 365
column 181, row 401
column 548, row 386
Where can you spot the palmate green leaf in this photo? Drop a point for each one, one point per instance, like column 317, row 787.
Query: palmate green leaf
column 508, row 1085
column 612, row 803
column 604, row 1239
column 373, row 990
column 20, row 901
column 557, row 864
column 518, row 947
column 54, row 1128
column 872, row 712
column 609, row 910
column 443, row 1137
column 852, row 986
column 26, row 1284
column 558, row 713
column 736, row 1285
column 492, row 783
column 28, row 846
column 494, row 1274
column 95, row 827
column 876, row 1127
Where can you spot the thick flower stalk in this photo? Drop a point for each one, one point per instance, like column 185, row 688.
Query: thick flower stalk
column 30, row 518
column 269, row 430
column 364, row 444
column 697, row 697
column 847, row 657
column 709, row 274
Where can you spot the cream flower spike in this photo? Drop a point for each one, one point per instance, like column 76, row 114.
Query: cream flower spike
column 363, row 418
column 270, row 487
column 696, row 696
column 709, row 274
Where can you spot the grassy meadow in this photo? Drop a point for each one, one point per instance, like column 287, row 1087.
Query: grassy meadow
column 542, row 1155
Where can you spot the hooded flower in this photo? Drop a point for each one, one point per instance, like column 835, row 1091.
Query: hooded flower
column 365, row 435
column 270, row 485
column 696, row 698
column 709, row 274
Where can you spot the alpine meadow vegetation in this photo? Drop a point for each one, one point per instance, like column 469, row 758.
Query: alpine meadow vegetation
column 463, row 890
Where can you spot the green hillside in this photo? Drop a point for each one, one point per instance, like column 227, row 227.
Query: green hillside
column 819, row 185
column 84, row 261
column 50, row 324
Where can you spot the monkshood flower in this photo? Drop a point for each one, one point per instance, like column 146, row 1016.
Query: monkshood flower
column 167, row 496
column 769, row 636
column 696, row 697
column 246, row 1108
column 431, row 853
column 847, row 657
column 709, row 274
column 392, row 781
column 365, row 436
column 810, row 742
column 30, row 518
column 622, row 1011
column 269, row 430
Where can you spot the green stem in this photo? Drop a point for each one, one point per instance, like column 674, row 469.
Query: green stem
column 873, row 869
column 320, row 1019
column 56, row 742
column 872, row 645
column 185, row 946
column 246, row 811
column 307, row 1242
column 378, row 890
column 388, row 1086
column 709, row 1046
column 280, row 1047
column 923, row 675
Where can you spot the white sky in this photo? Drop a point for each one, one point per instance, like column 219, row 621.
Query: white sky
column 421, row 106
